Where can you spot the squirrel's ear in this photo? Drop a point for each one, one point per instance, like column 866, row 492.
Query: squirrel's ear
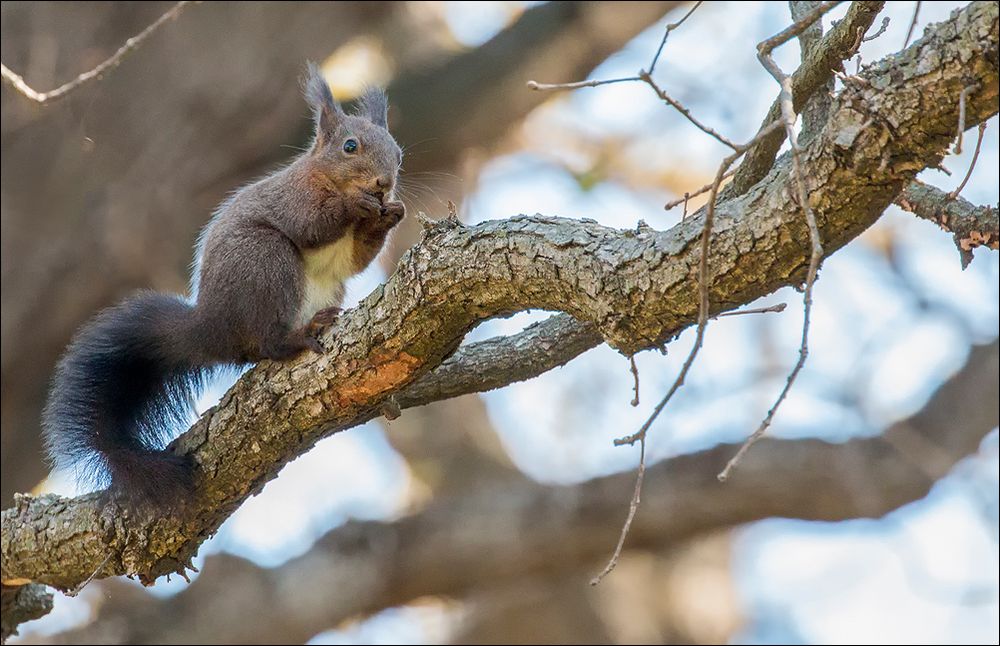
column 327, row 113
column 374, row 106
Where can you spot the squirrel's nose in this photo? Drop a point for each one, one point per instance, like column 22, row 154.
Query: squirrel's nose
column 383, row 183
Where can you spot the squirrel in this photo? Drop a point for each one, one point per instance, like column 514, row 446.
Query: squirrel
column 268, row 276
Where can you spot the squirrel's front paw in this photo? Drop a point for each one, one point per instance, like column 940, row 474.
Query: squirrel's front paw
column 393, row 211
column 367, row 205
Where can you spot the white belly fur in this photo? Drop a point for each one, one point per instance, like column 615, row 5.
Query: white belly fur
column 326, row 270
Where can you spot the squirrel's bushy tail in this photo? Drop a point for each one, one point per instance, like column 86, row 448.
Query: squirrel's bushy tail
column 123, row 387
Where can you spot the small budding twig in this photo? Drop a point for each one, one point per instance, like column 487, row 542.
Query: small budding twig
column 633, row 506
column 18, row 83
column 666, row 34
column 635, row 376
column 975, row 158
column 780, row 307
column 881, row 30
column 548, row 87
column 913, row 24
column 957, row 150
column 703, row 189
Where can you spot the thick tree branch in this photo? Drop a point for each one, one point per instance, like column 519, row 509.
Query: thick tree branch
column 973, row 226
column 636, row 287
column 501, row 361
column 21, row 603
column 816, row 71
column 458, row 543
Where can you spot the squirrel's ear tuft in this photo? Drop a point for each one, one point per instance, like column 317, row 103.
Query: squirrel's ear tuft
column 374, row 106
column 326, row 111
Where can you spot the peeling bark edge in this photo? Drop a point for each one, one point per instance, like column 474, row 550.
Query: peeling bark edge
column 973, row 226
column 637, row 288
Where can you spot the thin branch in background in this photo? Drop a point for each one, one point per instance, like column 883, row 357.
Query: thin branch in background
column 780, row 307
column 975, row 158
column 633, row 506
column 703, row 189
column 881, row 30
column 913, row 25
column 546, row 87
column 635, row 375
column 677, row 105
column 645, row 76
column 18, row 83
column 794, row 30
column 666, row 34
column 957, row 150
column 764, row 50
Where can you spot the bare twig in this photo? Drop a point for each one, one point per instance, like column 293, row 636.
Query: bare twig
column 83, row 584
column 677, row 105
column 635, row 376
column 18, row 83
column 535, row 85
column 975, row 158
column 703, row 306
column 780, row 307
column 764, row 50
column 633, row 506
column 666, row 34
column 957, row 150
column 881, row 30
column 794, row 29
column 913, row 25
column 703, row 189
column 544, row 87
column 644, row 75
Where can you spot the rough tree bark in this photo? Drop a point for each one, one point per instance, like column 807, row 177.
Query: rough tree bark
column 637, row 288
column 530, row 531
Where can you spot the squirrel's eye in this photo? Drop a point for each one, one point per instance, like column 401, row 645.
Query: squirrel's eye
column 351, row 146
